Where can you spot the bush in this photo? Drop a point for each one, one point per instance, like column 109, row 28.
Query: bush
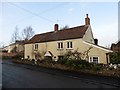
column 63, row 61
column 33, row 60
column 115, row 57
column 6, row 57
column 97, row 67
column 77, row 64
column 48, row 58
column 70, row 62
column 17, row 57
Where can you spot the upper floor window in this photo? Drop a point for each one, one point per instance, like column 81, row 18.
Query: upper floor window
column 60, row 45
column 69, row 44
column 35, row 46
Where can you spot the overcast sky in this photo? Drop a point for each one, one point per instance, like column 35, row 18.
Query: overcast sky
column 42, row 16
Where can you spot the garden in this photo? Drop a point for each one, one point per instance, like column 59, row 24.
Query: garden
column 75, row 64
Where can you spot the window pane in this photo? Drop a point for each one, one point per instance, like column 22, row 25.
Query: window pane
column 36, row 46
column 61, row 45
column 70, row 44
column 67, row 44
column 90, row 59
column 95, row 60
column 58, row 45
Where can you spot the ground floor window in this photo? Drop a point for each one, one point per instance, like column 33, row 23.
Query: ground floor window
column 94, row 60
column 60, row 57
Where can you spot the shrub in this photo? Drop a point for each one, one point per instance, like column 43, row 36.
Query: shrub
column 6, row 57
column 77, row 64
column 115, row 57
column 48, row 58
column 70, row 62
column 80, row 66
column 97, row 67
column 33, row 60
column 17, row 57
column 62, row 61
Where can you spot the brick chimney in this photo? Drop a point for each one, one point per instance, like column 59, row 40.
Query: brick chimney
column 87, row 20
column 96, row 41
column 56, row 26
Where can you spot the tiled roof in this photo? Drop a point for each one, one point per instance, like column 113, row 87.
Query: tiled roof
column 20, row 42
column 65, row 34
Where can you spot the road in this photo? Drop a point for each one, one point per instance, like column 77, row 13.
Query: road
column 24, row 76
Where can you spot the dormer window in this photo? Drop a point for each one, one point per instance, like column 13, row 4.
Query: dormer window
column 36, row 46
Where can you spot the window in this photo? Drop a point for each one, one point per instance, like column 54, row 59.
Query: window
column 60, row 57
column 94, row 60
column 60, row 45
column 90, row 59
column 35, row 46
column 69, row 45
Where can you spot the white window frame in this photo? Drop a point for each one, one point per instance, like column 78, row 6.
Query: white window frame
column 91, row 59
column 61, row 45
column 69, row 44
column 36, row 46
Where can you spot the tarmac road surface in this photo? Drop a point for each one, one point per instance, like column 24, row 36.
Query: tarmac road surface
column 25, row 76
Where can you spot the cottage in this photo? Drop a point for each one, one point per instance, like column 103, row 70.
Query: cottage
column 18, row 46
column 116, row 46
column 56, row 43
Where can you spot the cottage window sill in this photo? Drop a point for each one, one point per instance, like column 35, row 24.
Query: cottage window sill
column 60, row 49
column 35, row 49
column 69, row 49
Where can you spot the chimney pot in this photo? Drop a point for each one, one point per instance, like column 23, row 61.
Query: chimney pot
column 56, row 27
column 87, row 20
column 86, row 15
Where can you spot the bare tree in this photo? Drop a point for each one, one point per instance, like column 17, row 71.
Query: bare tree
column 64, row 27
column 15, row 35
column 1, row 44
column 27, row 33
